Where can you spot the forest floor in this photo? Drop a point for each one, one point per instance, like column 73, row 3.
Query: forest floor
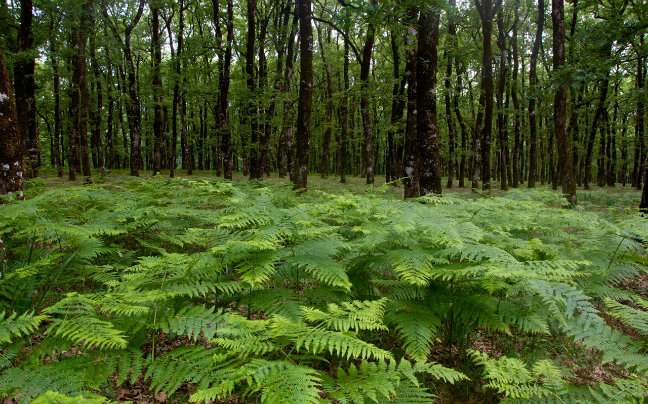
column 585, row 367
column 595, row 198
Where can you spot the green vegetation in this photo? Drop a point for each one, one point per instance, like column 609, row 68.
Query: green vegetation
column 200, row 290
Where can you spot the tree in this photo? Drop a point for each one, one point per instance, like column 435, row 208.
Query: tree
column 134, row 110
column 486, row 12
column 302, row 136
column 157, row 89
column 533, row 79
column 428, row 131
column 560, row 104
column 25, row 87
column 12, row 145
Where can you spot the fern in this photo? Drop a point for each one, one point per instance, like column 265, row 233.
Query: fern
column 52, row 397
column 16, row 326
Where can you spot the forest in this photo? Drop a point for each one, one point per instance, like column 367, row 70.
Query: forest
column 296, row 201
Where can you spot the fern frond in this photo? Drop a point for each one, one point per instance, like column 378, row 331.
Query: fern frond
column 635, row 318
column 52, row 397
column 193, row 321
column 354, row 315
column 416, row 325
column 15, row 325
column 80, row 323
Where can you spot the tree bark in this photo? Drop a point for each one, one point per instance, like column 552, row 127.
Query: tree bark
column 517, row 145
column 57, row 103
column 344, row 117
column 365, row 67
column 410, row 164
column 25, row 87
column 533, row 79
column 452, row 43
column 302, row 136
column 501, row 86
column 326, row 141
column 158, row 120
column 134, row 110
column 12, row 145
column 486, row 11
column 428, row 131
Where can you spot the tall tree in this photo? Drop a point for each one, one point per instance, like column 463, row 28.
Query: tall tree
column 560, row 104
column 134, row 109
column 12, row 145
column 411, row 160
column 533, row 80
column 302, row 136
column 57, row 98
column 501, row 85
column 25, row 87
column 428, row 131
column 486, row 12
column 158, row 120
column 517, row 141
column 365, row 67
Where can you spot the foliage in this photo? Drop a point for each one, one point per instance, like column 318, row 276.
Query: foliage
column 210, row 290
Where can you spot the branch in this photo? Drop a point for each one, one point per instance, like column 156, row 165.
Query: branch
column 344, row 35
column 132, row 25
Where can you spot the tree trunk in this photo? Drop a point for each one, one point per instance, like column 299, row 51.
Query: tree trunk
column 365, row 67
column 486, row 11
column 134, row 110
column 533, row 79
column 428, row 131
column 302, row 136
column 517, row 145
column 501, row 86
column 96, row 116
column 57, row 104
column 158, row 120
column 599, row 115
column 452, row 43
column 462, row 124
column 25, row 87
column 326, row 141
column 344, row 117
column 12, row 145
column 411, row 160
column 639, row 124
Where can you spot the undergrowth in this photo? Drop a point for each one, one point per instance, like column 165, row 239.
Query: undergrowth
column 244, row 292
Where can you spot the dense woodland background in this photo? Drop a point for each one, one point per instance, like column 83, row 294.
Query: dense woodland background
column 217, row 86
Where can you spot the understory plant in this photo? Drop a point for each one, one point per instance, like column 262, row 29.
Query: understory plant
column 206, row 290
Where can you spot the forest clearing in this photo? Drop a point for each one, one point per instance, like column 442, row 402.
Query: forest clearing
column 331, row 201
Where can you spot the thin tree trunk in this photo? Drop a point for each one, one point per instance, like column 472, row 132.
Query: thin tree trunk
column 639, row 124
column 599, row 115
column 517, row 145
column 134, row 115
column 365, row 67
column 158, row 120
column 501, row 86
column 344, row 117
column 57, row 104
column 533, row 79
column 326, row 141
column 452, row 31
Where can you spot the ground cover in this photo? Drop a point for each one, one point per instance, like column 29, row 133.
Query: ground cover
column 197, row 289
